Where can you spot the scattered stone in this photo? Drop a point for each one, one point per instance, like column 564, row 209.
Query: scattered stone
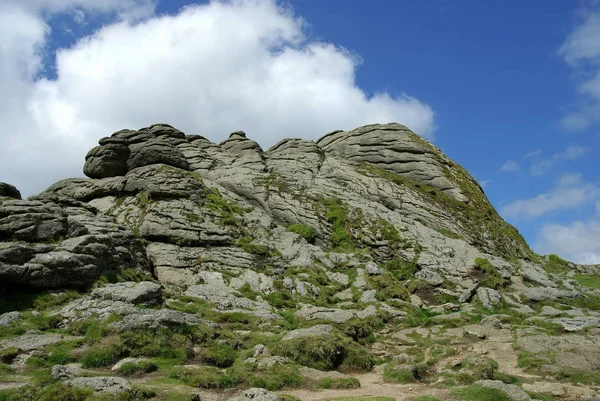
column 467, row 294
column 144, row 292
column 256, row 394
column 314, row 331
column 30, row 342
column 490, row 299
column 108, row 385
column 7, row 318
column 61, row 372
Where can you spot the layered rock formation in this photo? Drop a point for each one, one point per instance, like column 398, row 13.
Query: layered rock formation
column 361, row 234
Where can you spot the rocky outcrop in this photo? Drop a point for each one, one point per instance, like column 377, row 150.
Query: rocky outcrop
column 367, row 243
column 9, row 191
column 63, row 243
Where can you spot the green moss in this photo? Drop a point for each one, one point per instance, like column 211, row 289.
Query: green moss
column 306, row 232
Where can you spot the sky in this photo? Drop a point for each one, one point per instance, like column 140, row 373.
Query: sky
column 510, row 90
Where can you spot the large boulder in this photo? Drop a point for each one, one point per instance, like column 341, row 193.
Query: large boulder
column 9, row 191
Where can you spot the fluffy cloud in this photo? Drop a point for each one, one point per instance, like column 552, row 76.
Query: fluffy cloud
column 540, row 165
column 581, row 50
column 570, row 192
column 211, row 70
column 578, row 242
column 510, row 166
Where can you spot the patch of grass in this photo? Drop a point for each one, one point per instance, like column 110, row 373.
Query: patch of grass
column 388, row 287
column 401, row 269
column 219, row 355
column 418, row 317
column 8, row 354
column 257, row 249
column 227, row 208
column 34, row 300
column 272, row 378
column 306, row 232
column 397, row 374
column 360, row 329
column 99, row 356
column 333, row 351
column 189, row 305
column 280, row 300
column 361, row 398
column 588, row 280
column 555, row 264
column 54, row 392
column 480, row 393
column 579, row 376
column 137, row 368
column 165, row 343
column 528, row 360
column 449, row 234
column 203, row 377
column 338, row 383
column 424, row 398
column 488, row 275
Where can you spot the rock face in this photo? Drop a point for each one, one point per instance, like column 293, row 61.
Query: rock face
column 57, row 243
column 9, row 191
column 395, row 148
column 366, row 243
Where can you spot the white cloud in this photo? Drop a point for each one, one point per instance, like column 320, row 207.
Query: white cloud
column 581, row 50
column 578, row 241
column 484, row 183
column 210, row 70
column 570, row 192
column 510, row 166
column 541, row 165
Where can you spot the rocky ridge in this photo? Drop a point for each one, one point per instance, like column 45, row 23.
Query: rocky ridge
column 371, row 243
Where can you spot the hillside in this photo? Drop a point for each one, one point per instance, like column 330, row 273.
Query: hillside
column 367, row 262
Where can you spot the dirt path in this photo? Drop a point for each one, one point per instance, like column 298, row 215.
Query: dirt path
column 372, row 385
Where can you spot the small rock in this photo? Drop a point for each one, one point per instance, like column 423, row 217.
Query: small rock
column 467, row 294
column 144, row 292
column 261, row 350
column 490, row 298
column 373, row 270
column 256, row 394
column 314, row 331
column 7, row 318
column 110, row 385
column 60, row 372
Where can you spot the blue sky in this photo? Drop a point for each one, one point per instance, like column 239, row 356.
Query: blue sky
column 510, row 90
